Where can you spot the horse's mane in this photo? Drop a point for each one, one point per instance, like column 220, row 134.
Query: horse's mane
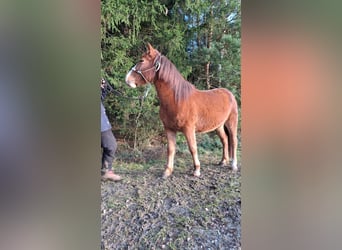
column 169, row 74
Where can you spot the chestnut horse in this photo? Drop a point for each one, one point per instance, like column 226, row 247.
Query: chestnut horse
column 186, row 109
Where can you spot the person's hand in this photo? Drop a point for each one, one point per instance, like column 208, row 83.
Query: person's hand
column 103, row 83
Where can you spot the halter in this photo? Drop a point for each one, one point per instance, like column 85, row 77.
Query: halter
column 156, row 67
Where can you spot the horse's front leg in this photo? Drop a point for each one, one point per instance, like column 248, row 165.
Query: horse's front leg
column 171, row 150
column 191, row 139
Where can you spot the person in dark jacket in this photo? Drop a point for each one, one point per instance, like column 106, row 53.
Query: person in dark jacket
column 108, row 141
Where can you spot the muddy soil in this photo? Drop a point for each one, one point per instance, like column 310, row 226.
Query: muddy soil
column 144, row 211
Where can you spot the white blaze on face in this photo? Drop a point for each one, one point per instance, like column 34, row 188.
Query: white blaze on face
column 129, row 81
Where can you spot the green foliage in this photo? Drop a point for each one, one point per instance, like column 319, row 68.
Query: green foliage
column 190, row 33
column 205, row 142
column 182, row 145
column 137, row 121
column 208, row 142
column 216, row 40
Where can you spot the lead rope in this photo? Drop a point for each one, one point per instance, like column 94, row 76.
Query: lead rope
column 139, row 114
column 143, row 96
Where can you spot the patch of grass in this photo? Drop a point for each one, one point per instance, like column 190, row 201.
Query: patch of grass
column 128, row 167
column 182, row 212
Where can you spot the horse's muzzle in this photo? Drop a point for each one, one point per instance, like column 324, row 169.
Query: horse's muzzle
column 128, row 81
column 131, row 84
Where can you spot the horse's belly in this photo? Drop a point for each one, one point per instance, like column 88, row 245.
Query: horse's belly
column 203, row 118
column 209, row 122
column 207, row 127
column 201, row 123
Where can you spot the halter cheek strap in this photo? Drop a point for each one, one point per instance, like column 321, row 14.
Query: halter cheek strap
column 140, row 73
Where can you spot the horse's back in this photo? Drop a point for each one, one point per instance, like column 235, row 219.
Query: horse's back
column 219, row 98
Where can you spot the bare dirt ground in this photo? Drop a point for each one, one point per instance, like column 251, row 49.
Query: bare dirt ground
column 182, row 212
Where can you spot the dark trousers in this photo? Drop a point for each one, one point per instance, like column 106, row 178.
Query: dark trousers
column 108, row 145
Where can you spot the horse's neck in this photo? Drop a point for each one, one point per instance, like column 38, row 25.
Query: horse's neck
column 165, row 93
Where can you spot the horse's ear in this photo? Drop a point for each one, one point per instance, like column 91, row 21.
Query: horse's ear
column 149, row 48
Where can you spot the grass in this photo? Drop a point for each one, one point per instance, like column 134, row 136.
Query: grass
column 182, row 212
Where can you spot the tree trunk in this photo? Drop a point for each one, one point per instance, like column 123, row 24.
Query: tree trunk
column 207, row 72
column 210, row 38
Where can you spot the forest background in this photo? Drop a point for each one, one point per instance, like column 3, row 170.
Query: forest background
column 202, row 38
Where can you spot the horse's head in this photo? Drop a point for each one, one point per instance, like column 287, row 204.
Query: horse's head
column 145, row 70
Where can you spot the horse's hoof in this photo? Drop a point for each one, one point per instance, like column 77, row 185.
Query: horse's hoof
column 234, row 167
column 167, row 173
column 223, row 163
column 197, row 173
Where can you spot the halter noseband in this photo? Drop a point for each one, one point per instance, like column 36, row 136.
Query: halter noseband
column 156, row 67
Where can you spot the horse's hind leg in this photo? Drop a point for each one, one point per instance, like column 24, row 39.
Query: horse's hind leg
column 224, row 140
column 232, row 126
column 191, row 140
column 171, row 150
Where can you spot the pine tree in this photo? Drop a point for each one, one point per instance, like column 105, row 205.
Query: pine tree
column 202, row 38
